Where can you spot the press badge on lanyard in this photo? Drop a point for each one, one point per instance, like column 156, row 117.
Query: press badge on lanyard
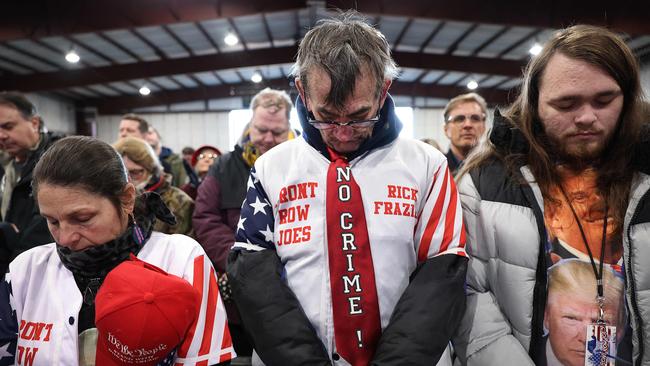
column 600, row 345
column 600, row 338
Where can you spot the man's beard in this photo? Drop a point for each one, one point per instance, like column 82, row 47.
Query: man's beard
column 576, row 156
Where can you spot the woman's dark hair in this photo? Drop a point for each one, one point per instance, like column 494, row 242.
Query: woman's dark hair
column 85, row 162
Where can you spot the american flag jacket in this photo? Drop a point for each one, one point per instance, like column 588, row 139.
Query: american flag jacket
column 40, row 291
column 416, row 234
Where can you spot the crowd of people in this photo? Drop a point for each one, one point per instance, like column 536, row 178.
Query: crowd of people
column 346, row 244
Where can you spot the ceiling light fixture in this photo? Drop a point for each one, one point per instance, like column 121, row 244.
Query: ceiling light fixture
column 231, row 39
column 256, row 77
column 535, row 49
column 472, row 85
column 144, row 90
column 72, row 57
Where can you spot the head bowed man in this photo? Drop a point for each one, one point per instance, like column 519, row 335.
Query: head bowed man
column 343, row 72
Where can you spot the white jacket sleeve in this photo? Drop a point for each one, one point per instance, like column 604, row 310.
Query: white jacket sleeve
column 208, row 341
column 484, row 336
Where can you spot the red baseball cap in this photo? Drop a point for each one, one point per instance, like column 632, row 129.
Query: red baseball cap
column 197, row 152
column 142, row 314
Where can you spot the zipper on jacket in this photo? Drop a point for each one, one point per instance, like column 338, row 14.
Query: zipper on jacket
column 634, row 305
column 535, row 349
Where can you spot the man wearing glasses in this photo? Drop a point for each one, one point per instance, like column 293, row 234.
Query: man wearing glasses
column 350, row 246
column 221, row 192
column 464, row 126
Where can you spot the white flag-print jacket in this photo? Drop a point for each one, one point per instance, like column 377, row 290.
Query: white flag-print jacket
column 414, row 221
column 43, row 292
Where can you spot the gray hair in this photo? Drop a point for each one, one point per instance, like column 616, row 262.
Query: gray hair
column 341, row 46
column 276, row 95
column 465, row 98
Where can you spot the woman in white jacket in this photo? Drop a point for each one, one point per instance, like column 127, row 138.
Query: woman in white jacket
column 47, row 301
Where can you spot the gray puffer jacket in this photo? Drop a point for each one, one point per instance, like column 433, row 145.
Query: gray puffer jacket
column 506, row 279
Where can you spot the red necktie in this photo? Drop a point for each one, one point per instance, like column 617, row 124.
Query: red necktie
column 357, row 325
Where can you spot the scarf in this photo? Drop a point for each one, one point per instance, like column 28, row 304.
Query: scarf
column 154, row 184
column 91, row 265
column 250, row 153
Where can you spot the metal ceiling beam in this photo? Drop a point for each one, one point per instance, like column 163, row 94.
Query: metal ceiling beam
column 119, row 105
column 629, row 16
column 268, row 56
column 492, row 96
column 99, row 75
column 35, row 19
column 478, row 65
column 122, row 104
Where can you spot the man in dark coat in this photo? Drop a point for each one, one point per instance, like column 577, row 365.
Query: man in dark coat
column 465, row 117
column 221, row 193
column 22, row 226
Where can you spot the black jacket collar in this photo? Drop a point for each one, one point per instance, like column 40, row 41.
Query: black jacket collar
column 46, row 140
column 506, row 138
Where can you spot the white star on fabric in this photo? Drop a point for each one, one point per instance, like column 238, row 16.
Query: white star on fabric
column 254, row 177
column 4, row 352
column 268, row 234
column 258, row 206
column 240, row 224
column 250, row 184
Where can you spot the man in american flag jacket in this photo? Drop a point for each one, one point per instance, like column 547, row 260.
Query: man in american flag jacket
column 350, row 245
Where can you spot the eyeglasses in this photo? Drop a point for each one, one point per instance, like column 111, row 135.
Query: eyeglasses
column 328, row 125
column 211, row 156
column 136, row 174
column 275, row 133
column 460, row 118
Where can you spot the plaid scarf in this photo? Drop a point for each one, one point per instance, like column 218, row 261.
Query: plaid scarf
column 250, row 153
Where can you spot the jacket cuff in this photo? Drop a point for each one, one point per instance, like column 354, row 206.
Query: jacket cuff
column 427, row 314
column 271, row 313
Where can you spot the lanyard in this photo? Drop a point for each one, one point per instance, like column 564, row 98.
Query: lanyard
column 599, row 274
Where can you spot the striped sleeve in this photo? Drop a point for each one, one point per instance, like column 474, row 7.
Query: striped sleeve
column 208, row 341
column 256, row 222
column 440, row 228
